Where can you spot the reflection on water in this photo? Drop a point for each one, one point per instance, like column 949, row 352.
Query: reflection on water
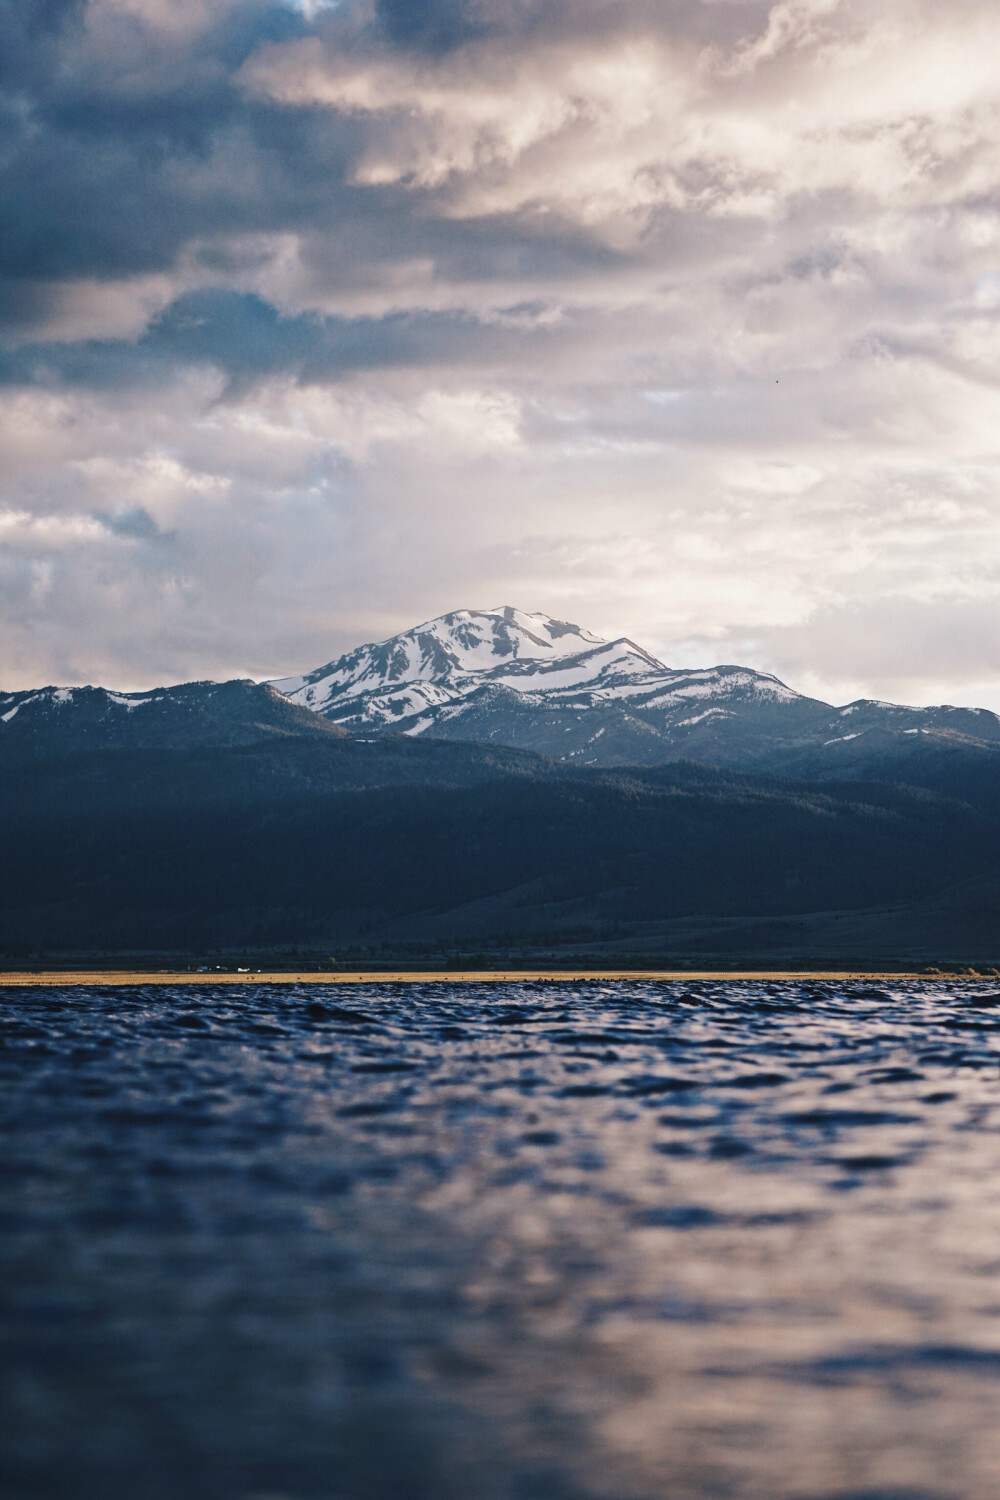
column 520, row 1242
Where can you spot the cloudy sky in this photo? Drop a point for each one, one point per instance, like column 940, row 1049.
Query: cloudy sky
column 675, row 318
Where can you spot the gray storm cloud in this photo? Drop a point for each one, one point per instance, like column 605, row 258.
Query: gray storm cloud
column 679, row 319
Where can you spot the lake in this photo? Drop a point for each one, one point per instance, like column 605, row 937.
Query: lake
column 606, row 1241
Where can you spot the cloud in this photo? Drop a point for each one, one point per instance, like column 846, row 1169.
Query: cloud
column 247, row 340
column 678, row 318
column 606, row 127
column 131, row 521
column 936, row 649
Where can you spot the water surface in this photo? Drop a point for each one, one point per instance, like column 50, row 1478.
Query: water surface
column 623, row 1241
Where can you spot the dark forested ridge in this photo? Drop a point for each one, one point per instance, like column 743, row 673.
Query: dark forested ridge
column 293, row 835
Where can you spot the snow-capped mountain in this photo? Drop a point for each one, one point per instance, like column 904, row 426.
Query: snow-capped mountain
column 424, row 677
column 506, row 678
column 526, row 680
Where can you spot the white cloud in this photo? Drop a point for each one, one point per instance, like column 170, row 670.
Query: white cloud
column 875, row 101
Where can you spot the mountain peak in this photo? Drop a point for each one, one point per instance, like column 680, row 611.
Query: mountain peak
column 405, row 681
column 509, row 677
column 477, row 639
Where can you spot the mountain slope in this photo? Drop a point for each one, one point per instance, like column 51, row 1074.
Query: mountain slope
column 227, row 814
column 309, row 840
column 510, row 678
column 54, row 720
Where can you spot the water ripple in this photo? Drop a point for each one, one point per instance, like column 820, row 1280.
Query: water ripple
column 611, row 1241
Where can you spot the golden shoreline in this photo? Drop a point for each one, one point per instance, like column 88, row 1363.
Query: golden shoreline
column 105, row 977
